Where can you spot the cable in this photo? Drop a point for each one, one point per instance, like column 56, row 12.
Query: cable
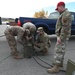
column 45, row 63
column 4, row 58
column 40, row 64
column 2, row 35
column 63, row 70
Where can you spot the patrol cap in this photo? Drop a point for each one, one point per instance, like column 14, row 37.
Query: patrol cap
column 40, row 29
column 59, row 4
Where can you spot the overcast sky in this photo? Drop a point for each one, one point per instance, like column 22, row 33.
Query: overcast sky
column 25, row 8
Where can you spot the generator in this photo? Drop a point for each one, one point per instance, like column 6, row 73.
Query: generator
column 70, row 70
column 28, row 51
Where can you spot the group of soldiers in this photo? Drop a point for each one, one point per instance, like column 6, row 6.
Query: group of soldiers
column 33, row 40
column 41, row 44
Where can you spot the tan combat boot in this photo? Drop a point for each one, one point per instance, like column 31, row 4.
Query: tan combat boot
column 54, row 69
column 60, row 65
column 17, row 56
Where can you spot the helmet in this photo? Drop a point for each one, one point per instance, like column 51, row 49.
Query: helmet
column 59, row 4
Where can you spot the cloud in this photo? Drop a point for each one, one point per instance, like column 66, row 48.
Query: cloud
column 17, row 8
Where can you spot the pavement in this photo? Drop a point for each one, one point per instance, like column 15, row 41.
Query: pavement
column 25, row 66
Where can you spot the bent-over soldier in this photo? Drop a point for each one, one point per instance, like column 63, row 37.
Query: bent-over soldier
column 10, row 33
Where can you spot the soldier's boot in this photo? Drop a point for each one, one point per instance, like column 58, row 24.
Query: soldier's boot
column 17, row 56
column 15, row 53
column 60, row 65
column 54, row 69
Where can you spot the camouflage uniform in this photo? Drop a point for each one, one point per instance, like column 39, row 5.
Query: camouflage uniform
column 29, row 25
column 63, row 30
column 42, row 41
column 32, row 29
column 10, row 33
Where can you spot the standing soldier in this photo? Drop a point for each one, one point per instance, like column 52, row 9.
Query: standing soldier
column 42, row 42
column 10, row 33
column 63, row 32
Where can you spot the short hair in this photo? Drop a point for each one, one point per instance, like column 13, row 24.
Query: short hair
column 63, row 5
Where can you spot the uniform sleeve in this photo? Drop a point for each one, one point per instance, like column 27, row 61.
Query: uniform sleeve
column 66, row 26
column 45, row 39
column 19, row 37
column 58, row 27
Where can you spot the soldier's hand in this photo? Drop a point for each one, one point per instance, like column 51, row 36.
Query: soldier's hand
column 58, row 40
column 27, row 38
column 30, row 38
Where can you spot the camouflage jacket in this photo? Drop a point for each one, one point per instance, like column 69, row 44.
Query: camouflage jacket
column 15, row 31
column 42, row 39
column 29, row 25
column 63, row 25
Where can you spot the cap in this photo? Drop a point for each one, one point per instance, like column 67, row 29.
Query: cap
column 40, row 29
column 60, row 4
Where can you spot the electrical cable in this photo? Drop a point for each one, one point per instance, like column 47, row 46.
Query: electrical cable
column 2, row 35
column 48, row 63
column 4, row 58
column 45, row 63
column 39, row 63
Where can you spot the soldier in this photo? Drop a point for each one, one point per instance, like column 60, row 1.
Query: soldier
column 63, row 32
column 10, row 33
column 42, row 42
column 32, row 28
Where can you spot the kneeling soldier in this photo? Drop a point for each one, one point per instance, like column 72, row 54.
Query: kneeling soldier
column 42, row 41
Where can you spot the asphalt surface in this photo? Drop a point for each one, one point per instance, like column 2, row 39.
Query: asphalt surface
column 25, row 66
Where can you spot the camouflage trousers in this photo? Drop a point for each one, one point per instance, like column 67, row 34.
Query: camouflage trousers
column 41, row 47
column 12, row 43
column 60, row 52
